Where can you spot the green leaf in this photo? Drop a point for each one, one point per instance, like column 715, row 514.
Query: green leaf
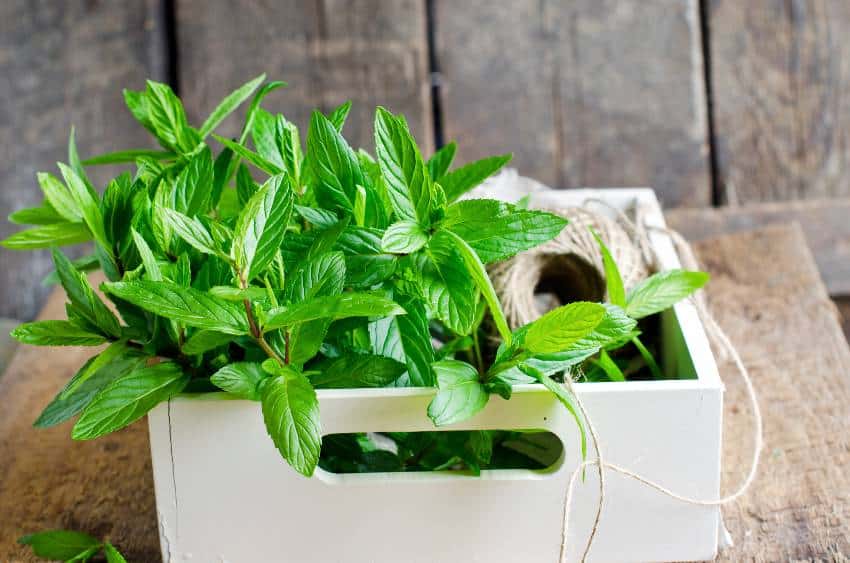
column 406, row 338
column 230, row 293
column 129, row 398
column 167, row 118
column 117, row 209
column 482, row 280
column 261, row 226
column 648, row 359
column 291, row 415
column 88, row 206
column 59, row 544
column 661, row 291
column 440, row 161
column 264, row 134
column 122, row 157
column 84, row 556
column 560, row 328
column 497, row 230
column 192, row 231
column 359, row 370
column 566, row 399
column 334, row 164
column 241, row 379
column 86, row 383
column 461, row 395
column 404, row 237
column 246, row 187
column 44, row 215
column 148, row 259
column 112, row 554
column 249, row 155
column 229, row 104
column 613, row 280
column 611, row 369
column 461, row 180
column 409, row 186
column 451, row 292
column 56, row 333
column 205, row 340
column 59, row 197
column 83, row 298
column 332, row 307
column 183, row 304
column 47, row 236
column 192, row 191
column 338, row 114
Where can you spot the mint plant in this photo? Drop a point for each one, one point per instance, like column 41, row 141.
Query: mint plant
column 271, row 269
column 70, row 546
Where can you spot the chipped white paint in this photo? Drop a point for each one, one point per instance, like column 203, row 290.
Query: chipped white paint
column 238, row 501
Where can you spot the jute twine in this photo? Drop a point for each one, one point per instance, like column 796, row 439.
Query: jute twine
column 628, row 241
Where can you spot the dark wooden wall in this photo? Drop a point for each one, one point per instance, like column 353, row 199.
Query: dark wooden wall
column 709, row 101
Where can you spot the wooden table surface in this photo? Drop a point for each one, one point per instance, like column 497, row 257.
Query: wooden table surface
column 766, row 292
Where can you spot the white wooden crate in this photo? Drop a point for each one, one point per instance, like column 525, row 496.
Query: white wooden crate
column 224, row 493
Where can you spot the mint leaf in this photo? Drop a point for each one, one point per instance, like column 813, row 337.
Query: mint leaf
column 358, row 370
column 409, row 186
column 404, row 237
column 132, row 155
column 112, row 554
column 59, row 544
column 44, row 215
column 59, row 197
column 334, row 164
column 128, row 399
column 662, row 290
column 613, row 280
column 148, row 259
column 86, row 203
column 440, row 161
column 56, row 333
column 47, row 236
column 461, row 395
column 448, row 287
column 479, row 275
column 338, row 115
column 192, row 191
column 192, row 231
column 406, row 338
column 332, row 307
column 497, row 230
column 182, row 304
column 205, row 340
column 89, row 380
column 82, row 296
column 264, row 134
column 560, row 328
column 611, row 369
column 249, row 155
column 461, row 180
column 261, row 227
column 566, row 399
column 167, row 118
column 229, row 104
column 291, row 415
column 241, row 379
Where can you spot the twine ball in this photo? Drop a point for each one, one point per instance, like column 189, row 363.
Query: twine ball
column 567, row 268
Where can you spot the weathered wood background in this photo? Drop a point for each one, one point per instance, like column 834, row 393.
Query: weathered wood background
column 712, row 102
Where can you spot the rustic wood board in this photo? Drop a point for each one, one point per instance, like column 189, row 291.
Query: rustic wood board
column 65, row 63
column 328, row 51
column 825, row 223
column 765, row 292
column 780, row 72
column 583, row 93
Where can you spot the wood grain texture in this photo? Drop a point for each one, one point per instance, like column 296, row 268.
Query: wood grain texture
column 63, row 64
column 824, row 223
column 765, row 292
column 780, row 72
column 328, row 51
column 583, row 93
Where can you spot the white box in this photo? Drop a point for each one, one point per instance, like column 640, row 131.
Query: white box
column 224, row 493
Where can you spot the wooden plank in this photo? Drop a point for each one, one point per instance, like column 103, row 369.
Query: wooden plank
column 765, row 292
column 823, row 221
column 64, row 63
column 780, row 73
column 584, row 93
column 370, row 52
